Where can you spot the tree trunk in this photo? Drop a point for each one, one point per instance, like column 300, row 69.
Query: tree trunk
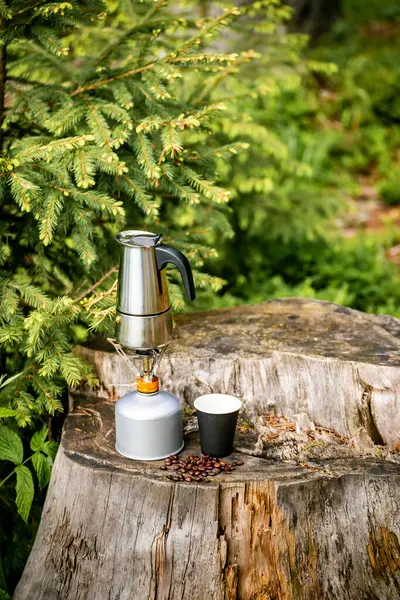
column 3, row 66
column 299, row 529
column 338, row 366
column 314, row 17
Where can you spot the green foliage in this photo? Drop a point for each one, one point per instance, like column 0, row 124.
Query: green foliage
column 95, row 137
column 112, row 119
column 11, row 449
column 10, row 446
column 321, row 136
column 135, row 114
column 17, row 486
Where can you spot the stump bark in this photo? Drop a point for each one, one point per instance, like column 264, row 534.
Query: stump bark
column 300, row 529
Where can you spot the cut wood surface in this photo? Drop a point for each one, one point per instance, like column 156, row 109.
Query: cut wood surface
column 304, row 529
column 338, row 366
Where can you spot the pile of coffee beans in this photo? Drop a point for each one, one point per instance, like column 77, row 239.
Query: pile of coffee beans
column 197, row 468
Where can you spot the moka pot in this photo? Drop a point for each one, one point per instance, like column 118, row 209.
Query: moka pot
column 144, row 318
column 148, row 420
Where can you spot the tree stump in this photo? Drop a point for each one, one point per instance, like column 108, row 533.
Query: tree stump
column 319, row 520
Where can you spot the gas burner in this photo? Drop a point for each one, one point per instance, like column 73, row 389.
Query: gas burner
column 148, row 420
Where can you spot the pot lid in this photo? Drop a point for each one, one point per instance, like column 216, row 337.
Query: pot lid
column 135, row 238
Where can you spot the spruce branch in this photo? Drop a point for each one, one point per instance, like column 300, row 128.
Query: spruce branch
column 89, row 303
column 213, row 84
column 215, row 24
column 175, row 56
column 93, row 287
column 93, row 86
column 172, row 59
column 125, row 36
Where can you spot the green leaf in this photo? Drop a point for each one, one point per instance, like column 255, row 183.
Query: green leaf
column 25, row 491
column 38, row 439
column 4, row 595
column 42, row 468
column 10, row 446
column 7, row 412
column 4, row 382
column 50, row 448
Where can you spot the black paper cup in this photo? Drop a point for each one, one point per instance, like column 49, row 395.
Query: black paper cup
column 217, row 415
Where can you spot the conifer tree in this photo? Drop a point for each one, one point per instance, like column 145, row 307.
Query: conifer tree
column 96, row 104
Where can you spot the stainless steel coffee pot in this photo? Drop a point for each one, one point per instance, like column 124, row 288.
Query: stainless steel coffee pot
column 144, row 320
column 148, row 421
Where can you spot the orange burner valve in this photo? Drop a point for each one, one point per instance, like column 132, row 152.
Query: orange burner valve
column 147, row 387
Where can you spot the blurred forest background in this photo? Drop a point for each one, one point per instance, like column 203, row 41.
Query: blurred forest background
column 261, row 137
column 315, row 198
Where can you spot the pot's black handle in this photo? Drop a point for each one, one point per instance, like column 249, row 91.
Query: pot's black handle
column 167, row 254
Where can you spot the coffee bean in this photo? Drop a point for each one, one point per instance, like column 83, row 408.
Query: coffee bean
column 197, row 468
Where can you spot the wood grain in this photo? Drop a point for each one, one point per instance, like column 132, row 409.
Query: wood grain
column 290, row 356
column 115, row 529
